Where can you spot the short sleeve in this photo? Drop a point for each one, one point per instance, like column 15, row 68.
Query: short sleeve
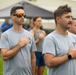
column 33, row 46
column 48, row 46
column 4, row 43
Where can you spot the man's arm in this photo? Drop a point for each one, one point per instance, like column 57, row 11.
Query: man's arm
column 33, row 62
column 53, row 61
column 8, row 54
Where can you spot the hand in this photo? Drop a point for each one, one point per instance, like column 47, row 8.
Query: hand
column 23, row 41
column 72, row 52
column 41, row 35
column 37, row 40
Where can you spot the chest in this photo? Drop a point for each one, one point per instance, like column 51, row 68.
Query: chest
column 15, row 39
column 62, row 45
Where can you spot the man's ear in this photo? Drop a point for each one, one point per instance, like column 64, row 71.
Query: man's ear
column 12, row 17
column 57, row 19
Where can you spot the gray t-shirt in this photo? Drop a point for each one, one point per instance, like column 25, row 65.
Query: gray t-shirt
column 59, row 45
column 36, row 36
column 20, row 64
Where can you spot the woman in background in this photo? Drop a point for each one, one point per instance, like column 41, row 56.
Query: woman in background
column 39, row 37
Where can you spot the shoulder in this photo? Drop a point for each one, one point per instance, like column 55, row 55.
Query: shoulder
column 50, row 36
column 28, row 33
column 43, row 31
column 7, row 32
column 72, row 35
column 32, row 31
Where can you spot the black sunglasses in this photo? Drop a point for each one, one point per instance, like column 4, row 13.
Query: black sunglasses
column 20, row 15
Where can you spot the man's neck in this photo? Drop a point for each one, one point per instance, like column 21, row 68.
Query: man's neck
column 61, row 31
column 17, row 28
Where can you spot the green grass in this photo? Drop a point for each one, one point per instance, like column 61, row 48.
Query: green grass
column 45, row 71
column 1, row 66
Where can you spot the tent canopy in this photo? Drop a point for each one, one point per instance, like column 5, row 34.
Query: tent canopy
column 30, row 10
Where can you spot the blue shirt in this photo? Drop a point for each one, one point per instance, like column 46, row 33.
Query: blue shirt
column 5, row 27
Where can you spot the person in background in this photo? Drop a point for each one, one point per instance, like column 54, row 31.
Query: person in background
column 5, row 26
column 18, row 46
column 0, row 31
column 0, row 37
column 59, row 47
column 72, row 28
column 39, row 37
column 31, row 25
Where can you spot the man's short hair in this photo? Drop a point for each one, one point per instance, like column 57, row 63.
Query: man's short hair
column 13, row 10
column 61, row 10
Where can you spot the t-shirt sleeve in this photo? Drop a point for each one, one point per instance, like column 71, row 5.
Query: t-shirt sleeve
column 48, row 46
column 4, row 43
column 33, row 46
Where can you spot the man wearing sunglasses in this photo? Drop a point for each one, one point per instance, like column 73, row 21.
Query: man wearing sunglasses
column 18, row 46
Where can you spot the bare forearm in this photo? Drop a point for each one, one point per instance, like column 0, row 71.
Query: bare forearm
column 33, row 66
column 33, row 62
column 56, row 61
column 11, row 53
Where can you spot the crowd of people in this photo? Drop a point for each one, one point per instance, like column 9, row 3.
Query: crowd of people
column 27, row 52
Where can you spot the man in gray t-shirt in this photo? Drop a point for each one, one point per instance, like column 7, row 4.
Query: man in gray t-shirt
column 18, row 46
column 59, row 47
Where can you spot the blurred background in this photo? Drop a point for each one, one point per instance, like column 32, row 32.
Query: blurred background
column 43, row 8
column 48, row 5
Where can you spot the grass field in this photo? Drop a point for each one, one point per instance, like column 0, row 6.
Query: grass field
column 1, row 67
column 45, row 71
